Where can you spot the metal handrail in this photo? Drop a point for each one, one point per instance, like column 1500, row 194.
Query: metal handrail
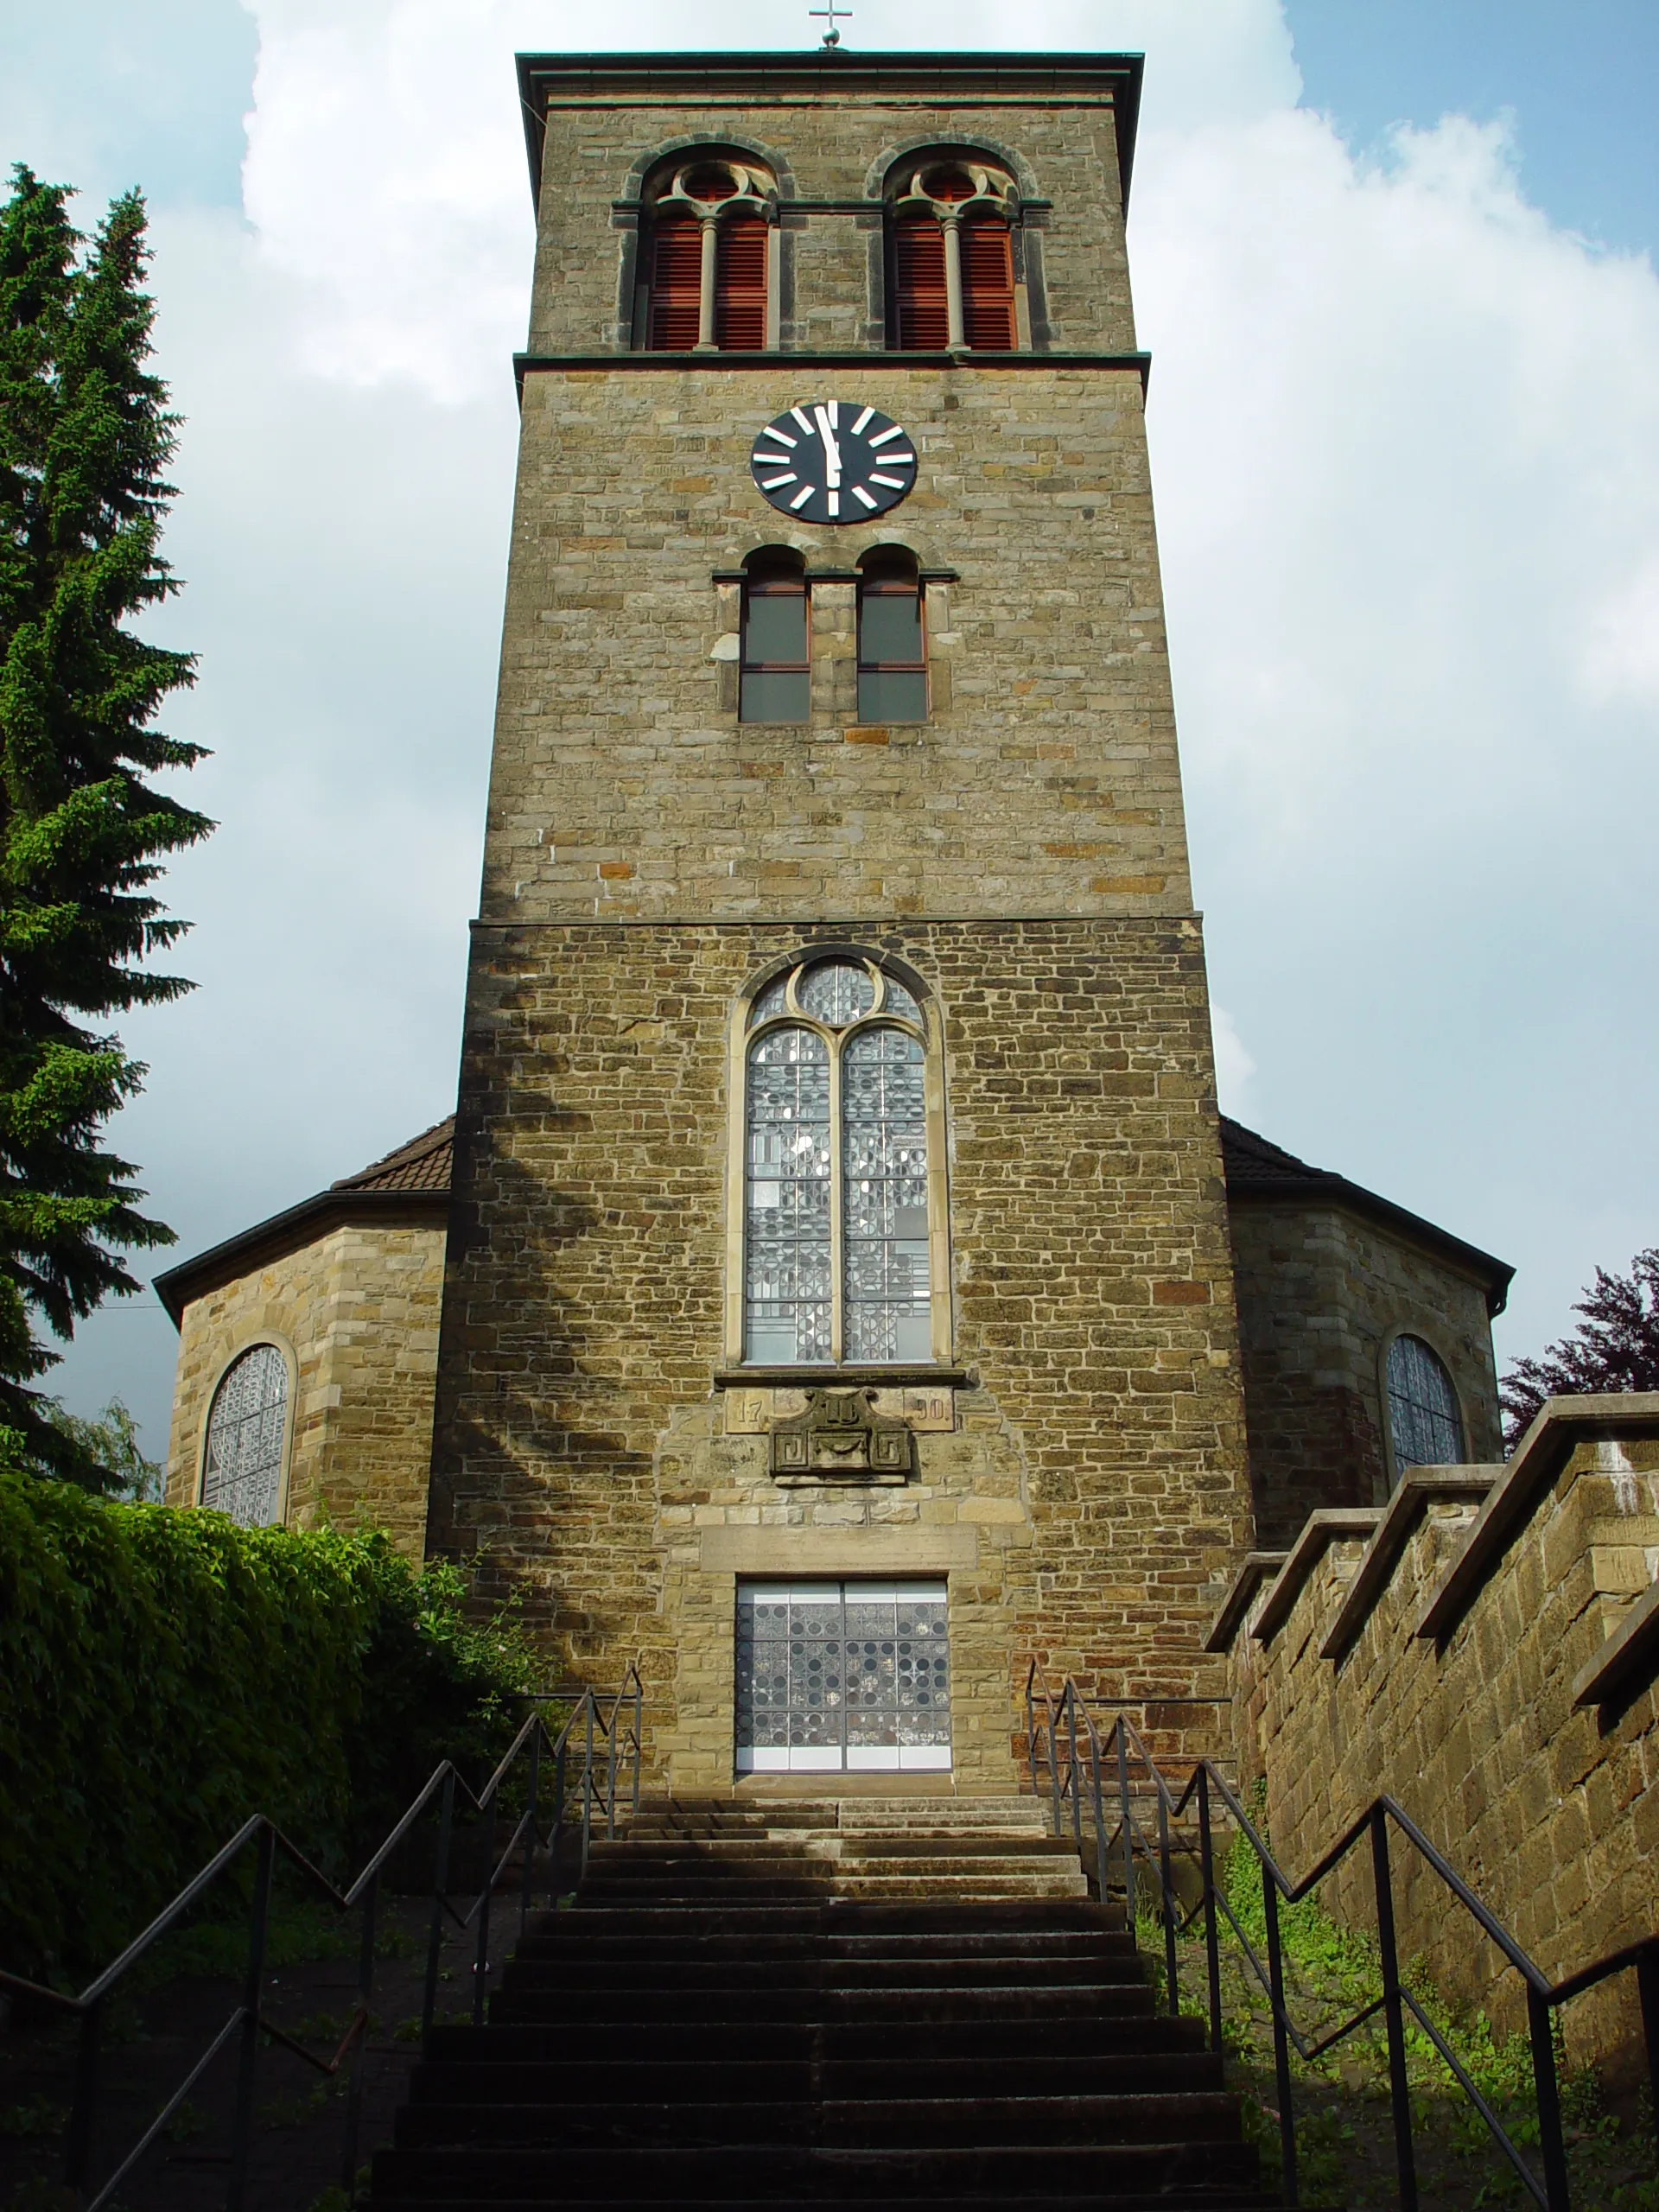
column 1067, row 1731
column 605, row 1726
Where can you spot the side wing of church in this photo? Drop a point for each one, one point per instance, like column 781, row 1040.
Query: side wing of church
column 844, row 1265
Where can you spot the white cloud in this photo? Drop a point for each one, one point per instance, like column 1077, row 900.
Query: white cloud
column 1406, row 451
column 1233, row 1066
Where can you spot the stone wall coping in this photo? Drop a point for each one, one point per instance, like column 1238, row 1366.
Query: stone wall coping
column 1418, row 1489
column 855, row 1374
column 1258, row 1567
column 1562, row 1425
column 849, row 358
column 1333, row 1524
column 1628, row 1655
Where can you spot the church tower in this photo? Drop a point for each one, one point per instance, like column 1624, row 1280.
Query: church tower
column 838, row 1310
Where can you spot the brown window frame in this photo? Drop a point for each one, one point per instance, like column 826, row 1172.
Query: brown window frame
column 774, row 583
column 893, row 583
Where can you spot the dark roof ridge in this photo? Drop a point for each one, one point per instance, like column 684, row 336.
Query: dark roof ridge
column 439, row 1138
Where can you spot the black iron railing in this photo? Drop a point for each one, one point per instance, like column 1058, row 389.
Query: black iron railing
column 595, row 1756
column 1113, row 1776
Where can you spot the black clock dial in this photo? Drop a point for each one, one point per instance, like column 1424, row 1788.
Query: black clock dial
column 835, row 461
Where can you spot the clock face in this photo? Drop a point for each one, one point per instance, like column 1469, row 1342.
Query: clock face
column 830, row 461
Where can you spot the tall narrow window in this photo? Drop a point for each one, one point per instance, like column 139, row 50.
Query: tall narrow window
column 988, row 283
column 740, row 284
column 774, row 670
column 676, row 284
column 1425, row 1426
column 918, row 273
column 841, row 1138
column 242, row 1460
column 892, row 656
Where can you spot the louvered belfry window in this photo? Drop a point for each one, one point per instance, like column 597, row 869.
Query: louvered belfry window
column 949, row 220
column 988, row 283
column 676, row 284
column 740, row 284
column 919, row 258
column 706, row 261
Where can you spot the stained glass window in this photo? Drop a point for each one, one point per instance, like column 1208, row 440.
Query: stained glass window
column 884, row 1149
column 838, row 1264
column 787, row 1224
column 842, row 1676
column 1424, row 1424
column 242, row 1462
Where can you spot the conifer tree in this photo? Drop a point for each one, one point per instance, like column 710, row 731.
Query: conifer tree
column 85, row 438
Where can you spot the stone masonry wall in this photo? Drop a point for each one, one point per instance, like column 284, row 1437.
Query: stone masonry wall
column 1091, row 1502
column 1550, row 1811
column 1320, row 1293
column 357, row 1311
column 838, row 151
column 623, row 784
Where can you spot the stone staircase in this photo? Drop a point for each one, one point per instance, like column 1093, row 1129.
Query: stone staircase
column 878, row 2001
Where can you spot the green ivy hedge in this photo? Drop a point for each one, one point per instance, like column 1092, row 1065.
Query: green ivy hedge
column 164, row 1673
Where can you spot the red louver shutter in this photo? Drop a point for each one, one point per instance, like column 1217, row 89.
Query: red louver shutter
column 919, row 256
column 740, row 284
column 676, row 284
column 988, row 285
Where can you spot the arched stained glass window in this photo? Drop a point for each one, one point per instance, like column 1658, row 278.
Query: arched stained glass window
column 1425, row 1426
column 242, row 1463
column 841, row 1136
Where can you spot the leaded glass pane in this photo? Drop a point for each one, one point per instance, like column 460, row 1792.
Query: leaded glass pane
column 842, row 1675
column 884, row 1144
column 836, row 991
column 898, row 1000
column 1424, row 1422
column 786, row 1227
column 243, row 1463
column 772, row 999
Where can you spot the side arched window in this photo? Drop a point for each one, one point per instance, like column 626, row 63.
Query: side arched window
column 844, row 1255
column 951, row 258
column 892, row 650
column 774, row 667
column 242, row 1456
column 1425, row 1426
column 706, row 259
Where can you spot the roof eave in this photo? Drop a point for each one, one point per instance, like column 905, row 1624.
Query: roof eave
column 183, row 1286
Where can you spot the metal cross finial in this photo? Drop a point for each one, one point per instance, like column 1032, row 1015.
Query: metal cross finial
column 829, row 11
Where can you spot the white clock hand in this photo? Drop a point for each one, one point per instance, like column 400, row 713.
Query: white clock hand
column 831, row 448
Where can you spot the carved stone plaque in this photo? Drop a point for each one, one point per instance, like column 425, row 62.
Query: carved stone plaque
column 840, row 1437
column 928, row 1409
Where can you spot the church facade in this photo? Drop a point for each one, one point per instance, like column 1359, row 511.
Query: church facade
column 841, row 1292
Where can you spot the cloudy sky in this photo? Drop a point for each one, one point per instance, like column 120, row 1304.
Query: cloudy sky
column 1393, row 259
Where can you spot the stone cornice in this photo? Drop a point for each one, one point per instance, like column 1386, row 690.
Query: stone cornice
column 848, row 357
column 1258, row 1567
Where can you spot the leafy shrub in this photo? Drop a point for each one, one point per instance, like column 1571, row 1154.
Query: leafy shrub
column 165, row 1674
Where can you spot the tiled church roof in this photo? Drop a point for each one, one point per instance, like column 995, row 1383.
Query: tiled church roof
column 425, row 1163
column 1256, row 1169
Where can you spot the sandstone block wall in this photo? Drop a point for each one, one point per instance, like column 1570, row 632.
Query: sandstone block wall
column 1090, row 1501
column 1549, row 1809
column 357, row 1311
column 831, row 156
column 1046, row 779
column 1320, row 1295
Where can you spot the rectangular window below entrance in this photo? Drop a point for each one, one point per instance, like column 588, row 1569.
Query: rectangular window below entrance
column 842, row 1678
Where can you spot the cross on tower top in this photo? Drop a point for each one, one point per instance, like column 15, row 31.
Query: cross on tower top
column 829, row 11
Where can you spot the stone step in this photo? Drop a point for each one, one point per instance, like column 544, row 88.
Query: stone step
column 926, row 2005
column 483, row 2174
column 702, row 2080
column 571, row 1939
column 1097, row 2037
